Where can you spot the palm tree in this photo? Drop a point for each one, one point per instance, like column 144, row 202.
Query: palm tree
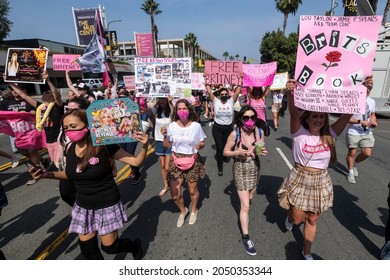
column 225, row 55
column 237, row 56
column 192, row 42
column 231, row 57
column 150, row 7
column 287, row 7
column 386, row 13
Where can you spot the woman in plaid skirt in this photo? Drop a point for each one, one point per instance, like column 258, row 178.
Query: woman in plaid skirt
column 309, row 187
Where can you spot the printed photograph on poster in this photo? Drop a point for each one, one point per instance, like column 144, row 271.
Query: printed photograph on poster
column 113, row 121
column 26, row 65
column 335, row 55
column 158, row 77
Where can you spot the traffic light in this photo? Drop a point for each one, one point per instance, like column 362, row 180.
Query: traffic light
column 200, row 62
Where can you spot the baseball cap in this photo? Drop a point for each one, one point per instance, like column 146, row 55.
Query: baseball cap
column 82, row 86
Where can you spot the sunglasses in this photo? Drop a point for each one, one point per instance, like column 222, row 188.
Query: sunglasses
column 246, row 118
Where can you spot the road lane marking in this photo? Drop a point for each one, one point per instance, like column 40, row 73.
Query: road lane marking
column 126, row 170
column 284, row 158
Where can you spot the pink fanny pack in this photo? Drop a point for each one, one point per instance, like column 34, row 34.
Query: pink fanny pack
column 184, row 163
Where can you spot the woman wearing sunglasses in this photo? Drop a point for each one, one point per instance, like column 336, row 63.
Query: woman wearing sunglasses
column 223, row 108
column 246, row 166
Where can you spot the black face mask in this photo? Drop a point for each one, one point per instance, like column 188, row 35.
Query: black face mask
column 224, row 98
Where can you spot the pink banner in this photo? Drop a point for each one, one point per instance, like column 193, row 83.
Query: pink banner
column 63, row 62
column 144, row 44
column 334, row 56
column 259, row 74
column 223, row 72
column 21, row 125
column 129, row 82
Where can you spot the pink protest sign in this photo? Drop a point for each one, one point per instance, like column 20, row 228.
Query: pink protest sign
column 223, row 72
column 63, row 62
column 129, row 82
column 197, row 81
column 259, row 74
column 334, row 56
column 144, row 44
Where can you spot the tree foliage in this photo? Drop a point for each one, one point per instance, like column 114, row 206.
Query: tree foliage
column 5, row 23
column 192, row 42
column 287, row 7
column 150, row 7
column 277, row 47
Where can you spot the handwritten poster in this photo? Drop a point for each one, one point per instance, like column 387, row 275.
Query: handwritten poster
column 113, row 121
column 256, row 75
column 280, row 81
column 26, row 65
column 334, row 56
column 63, row 62
column 129, row 82
column 158, row 77
column 197, row 81
column 223, row 72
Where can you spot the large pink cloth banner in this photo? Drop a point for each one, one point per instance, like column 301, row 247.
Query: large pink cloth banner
column 257, row 75
column 143, row 44
column 334, row 56
column 223, row 72
column 21, row 125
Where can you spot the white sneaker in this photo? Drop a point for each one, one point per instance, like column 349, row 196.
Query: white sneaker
column 181, row 219
column 15, row 160
column 307, row 257
column 288, row 225
column 193, row 217
column 355, row 171
column 351, row 178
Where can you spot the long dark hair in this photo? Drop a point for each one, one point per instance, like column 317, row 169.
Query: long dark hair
column 160, row 109
column 192, row 116
column 326, row 137
column 90, row 151
column 238, row 118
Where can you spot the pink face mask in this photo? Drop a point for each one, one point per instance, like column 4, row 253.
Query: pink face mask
column 249, row 124
column 183, row 114
column 76, row 135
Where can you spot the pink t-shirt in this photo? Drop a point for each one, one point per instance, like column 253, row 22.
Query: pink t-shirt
column 259, row 106
column 308, row 150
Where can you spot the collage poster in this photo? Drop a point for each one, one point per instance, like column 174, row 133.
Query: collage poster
column 25, row 65
column 160, row 77
column 113, row 121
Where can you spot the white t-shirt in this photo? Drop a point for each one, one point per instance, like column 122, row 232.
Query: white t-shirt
column 160, row 122
column 358, row 129
column 277, row 97
column 223, row 113
column 184, row 139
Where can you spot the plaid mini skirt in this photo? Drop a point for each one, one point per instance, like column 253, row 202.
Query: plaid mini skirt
column 102, row 221
column 246, row 174
column 308, row 191
column 192, row 174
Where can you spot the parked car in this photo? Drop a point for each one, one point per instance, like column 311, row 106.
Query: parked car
column 93, row 82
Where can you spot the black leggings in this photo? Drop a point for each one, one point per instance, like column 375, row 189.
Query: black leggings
column 220, row 135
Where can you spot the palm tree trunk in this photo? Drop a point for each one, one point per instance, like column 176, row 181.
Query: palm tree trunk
column 285, row 23
column 153, row 35
column 386, row 13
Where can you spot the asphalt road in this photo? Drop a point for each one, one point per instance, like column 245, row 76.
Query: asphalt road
column 34, row 224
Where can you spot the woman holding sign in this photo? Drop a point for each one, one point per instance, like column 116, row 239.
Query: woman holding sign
column 98, row 209
column 257, row 99
column 309, row 187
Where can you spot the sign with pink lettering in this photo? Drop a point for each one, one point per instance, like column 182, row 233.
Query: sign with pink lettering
column 197, row 81
column 143, row 44
column 223, row 72
column 64, row 62
column 129, row 82
column 257, row 75
column 334, row 56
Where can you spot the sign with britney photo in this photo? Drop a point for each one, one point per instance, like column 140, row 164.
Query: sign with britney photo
column 26, row 65
column 335, row 55
column 113, row 121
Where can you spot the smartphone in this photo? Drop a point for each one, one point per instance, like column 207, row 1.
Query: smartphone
column 35, row 167
column 244, row 147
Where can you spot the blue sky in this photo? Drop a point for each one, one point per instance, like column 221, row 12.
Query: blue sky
column 220, row 25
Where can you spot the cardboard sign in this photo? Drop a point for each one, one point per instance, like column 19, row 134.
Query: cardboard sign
column 64, row 62
column 334, row 56
column 280, row 81
column 113, row 121
column 129, row 82
column 257, row 75
column 26, row 65
column 160, row 77
column 197, row 81
column 223, row 72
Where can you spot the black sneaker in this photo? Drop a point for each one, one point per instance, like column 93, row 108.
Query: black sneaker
column 220, row 173
column 137, row 249
column 249, row 247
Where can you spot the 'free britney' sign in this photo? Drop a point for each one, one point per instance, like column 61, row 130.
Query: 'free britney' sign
column 334, row 56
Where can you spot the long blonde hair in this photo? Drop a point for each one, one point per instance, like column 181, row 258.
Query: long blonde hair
column 326, row 137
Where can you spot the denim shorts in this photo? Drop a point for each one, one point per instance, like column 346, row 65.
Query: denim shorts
column 161, row 151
